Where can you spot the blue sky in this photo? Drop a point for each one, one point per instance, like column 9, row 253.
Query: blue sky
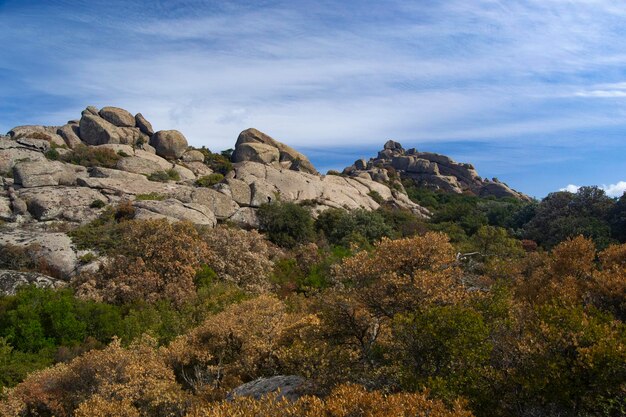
column 532, row 92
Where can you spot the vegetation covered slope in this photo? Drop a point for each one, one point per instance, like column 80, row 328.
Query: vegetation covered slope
column 492, row 308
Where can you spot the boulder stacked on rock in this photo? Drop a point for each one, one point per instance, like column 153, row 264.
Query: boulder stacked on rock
column 429, row 170
column 255, row 146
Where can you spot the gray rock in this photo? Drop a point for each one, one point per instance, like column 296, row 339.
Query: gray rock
column 131, row 135
column 55, row 249
column 6, row 212
column 91, row 110
column 175, row 210
column 46, row 133
column 118, row 117
column 62, row 203
column 239, row 191
column 393, row 145
column 221, row 205
column 185, row 173
column 9, row 156
column 94, row 130
column 46, row 173
column 199, row 169
column 137, row 165
column 291, row 387
column 19, row 207
column 11, row 281
column 289, row 157
column 70, row 133
column 193, row 155
column 246, row 217
column 360, row 164
column 256, row 152
column 143, row 124
column 169, row 144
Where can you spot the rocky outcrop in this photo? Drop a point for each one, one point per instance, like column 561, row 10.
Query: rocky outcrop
column 38, row 195
column 255, row 146
column 428, row 170
column 289, row 387
column 11, row 281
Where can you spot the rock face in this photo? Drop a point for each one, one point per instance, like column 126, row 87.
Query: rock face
column 169, row 144
column 255, row 146
column 11, row 281
column 53, row 247
column 291, row 388
column 429, row 170
column 38, row 194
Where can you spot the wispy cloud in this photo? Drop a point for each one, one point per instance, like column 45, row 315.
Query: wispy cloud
column 324, row 74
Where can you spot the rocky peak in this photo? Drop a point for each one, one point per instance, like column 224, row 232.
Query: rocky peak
column 67, row 175
column 429, row 170
column 255, row 146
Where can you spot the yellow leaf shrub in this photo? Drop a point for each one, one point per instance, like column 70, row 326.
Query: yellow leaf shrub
column 136, row 380
column 344, row 401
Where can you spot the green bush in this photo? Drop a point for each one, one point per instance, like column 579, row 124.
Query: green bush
column 91, row 156
column 375, row 195
column 165, row 176
column 103, row 233
column 159, row 176
column 97, row 204
column 150, row 196
column 343, row 227
column 209, row 180
column 52, row 154
column 219, row 163
column 286, row 224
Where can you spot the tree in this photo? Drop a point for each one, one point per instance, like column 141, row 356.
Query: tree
column 286, row 224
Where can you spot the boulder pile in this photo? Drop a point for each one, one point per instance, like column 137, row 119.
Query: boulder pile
column 58, row 177
column 429, row 170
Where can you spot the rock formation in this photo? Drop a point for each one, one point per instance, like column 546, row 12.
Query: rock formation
column 430, row 170
column 40, row 186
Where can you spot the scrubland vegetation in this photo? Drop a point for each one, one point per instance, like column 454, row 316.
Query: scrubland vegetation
column 491, row 308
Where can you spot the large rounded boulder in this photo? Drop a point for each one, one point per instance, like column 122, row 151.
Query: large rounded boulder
column 169, row 144
column 118, row 117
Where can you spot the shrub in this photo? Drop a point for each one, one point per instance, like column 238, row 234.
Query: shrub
column 91, row 156
column 343, row 401
column 153, row 260
column 18, row 258
column 219, row 163
column 124, row 382
column 240, row 257
column 286, row 224
column 122, row 154
column 103, row 233
column 52, row 154
column 375, row 195
column 159, row 176
column 343, row 228
column 97, row 204
column 209, row 180
column 150, row 196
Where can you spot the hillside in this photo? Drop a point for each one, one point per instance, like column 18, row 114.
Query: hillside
column 140, row 276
